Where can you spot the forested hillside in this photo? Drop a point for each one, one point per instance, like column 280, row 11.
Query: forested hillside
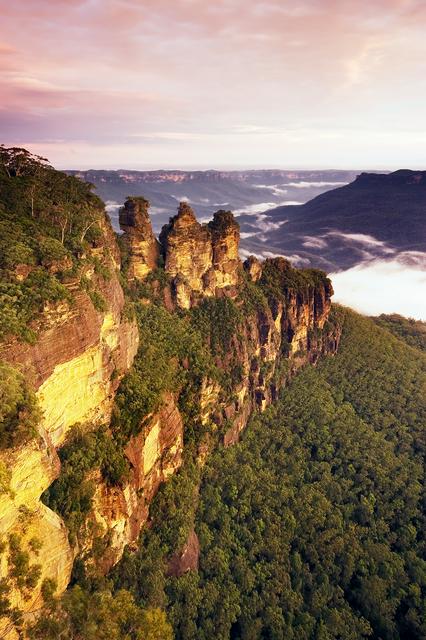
column 413, row 332
column 313, row 526
column 47, row 221
column 125, row 362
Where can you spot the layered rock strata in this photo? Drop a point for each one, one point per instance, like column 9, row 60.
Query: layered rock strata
column 81, row 354
column 273, row 342
column 74, row 367
column 119, row 513
column 278, row 339
column 201, row 260
column 142, row 245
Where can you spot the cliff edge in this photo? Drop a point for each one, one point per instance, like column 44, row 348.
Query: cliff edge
column 130, row 366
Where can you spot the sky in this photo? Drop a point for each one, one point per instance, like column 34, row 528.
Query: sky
column 223, row 84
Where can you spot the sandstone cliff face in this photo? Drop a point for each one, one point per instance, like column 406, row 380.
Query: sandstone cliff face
column 225, row 232
column 78, row 358
column 119, row 513
column 81, row 354
column 75, row 367
column 40, row 532
column 142, row 245
column 276, row 342
column 254, row 268
column 202, row 260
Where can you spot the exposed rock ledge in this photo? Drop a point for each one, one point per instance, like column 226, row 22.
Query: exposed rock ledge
column 81, row 355
column 75, row 368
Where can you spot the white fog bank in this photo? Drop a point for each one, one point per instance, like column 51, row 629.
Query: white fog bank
column 384, row 286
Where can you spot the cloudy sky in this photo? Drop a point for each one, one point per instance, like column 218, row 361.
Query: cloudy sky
column 230, row 83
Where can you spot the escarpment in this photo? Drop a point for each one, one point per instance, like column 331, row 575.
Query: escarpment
column 83, row 345
column 119, row 512
column 260, row 322
column 126, row 402
column 279, row 334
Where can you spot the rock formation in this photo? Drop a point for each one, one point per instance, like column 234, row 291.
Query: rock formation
column 187, row 559
column 277, row 339
column 142, row 245
column 254, row 268
column 81, row 354
column 202, row 260
column 225, row 232
column 38, row 531
column 120, row 512
column 75, row 366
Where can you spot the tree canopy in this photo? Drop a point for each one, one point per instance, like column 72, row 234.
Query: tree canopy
column 312, row 527
column 47, row 219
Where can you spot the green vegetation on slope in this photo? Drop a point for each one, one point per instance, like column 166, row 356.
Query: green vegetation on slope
column 173, row 509
column 171, row 357
column 313, row 526
column 413, row 332
column 47, row 219
column 98, row 616
column 278, row 276
column 19, row 412
column 71, row 494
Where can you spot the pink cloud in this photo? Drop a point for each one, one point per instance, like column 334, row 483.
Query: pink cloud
column 104, row 69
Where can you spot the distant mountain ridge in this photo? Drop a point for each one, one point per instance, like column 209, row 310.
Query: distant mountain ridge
column 397, row 178
column 207, row 191
column 209, row 175
column 315, row 218
column 376, row 216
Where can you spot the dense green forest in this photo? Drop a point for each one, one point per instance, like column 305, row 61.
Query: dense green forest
column 413, row 332
column 313, row 526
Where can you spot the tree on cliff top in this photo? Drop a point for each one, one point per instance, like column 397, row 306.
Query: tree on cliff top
column 15, row 162
column 49, row 221
column 31, row 187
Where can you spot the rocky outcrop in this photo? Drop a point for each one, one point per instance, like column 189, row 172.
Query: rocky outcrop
column 28, row 524
column 83, row 349
column 278, row 339
column 119, row 513
column 142, row 245
column 201, row 260
column 253, row 267
column 75, row 366
column 225, row 233
column 187, row 559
